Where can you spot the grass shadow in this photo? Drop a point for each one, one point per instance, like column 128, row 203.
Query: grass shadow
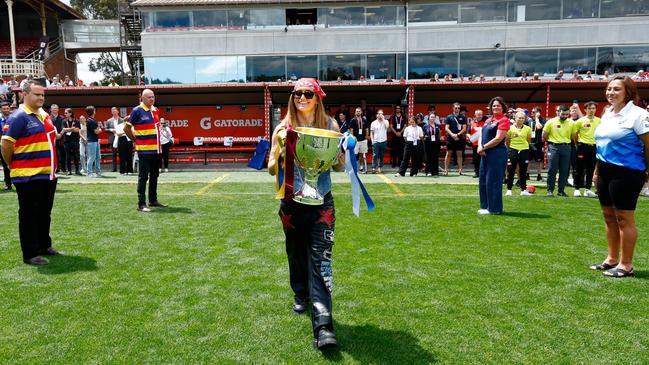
column 642, row 274
column 369, row 344
column 169, row 210
column 62, row 191
column 526, row 215
column 67, row 264
column 102, row 177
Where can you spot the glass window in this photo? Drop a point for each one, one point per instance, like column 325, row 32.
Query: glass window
column 172, row 19
column 260, row 69
column 210, row 18
column 384, row 15
column 527, row 10
column 267, row 19
column 580, row 59
column 577, row 9
column 164, row 70
column 401, row 66
column 489, row 63
column 542, row 61
column 483, row 12
column 301, row 66
column 302, row 16
column 147, row 19
column 380, row 66
column 237, row 19
column 433, row 13
column 347, row 67
column 344, row 17
column 425, row 65
column 622, row 59
column 220, row 69
column 620, row 8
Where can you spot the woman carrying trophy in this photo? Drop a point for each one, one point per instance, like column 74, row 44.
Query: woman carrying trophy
column 305, row 146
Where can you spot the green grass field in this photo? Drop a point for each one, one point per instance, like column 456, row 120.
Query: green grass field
column 422, row 279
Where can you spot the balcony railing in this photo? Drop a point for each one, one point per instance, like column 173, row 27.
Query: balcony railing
column 21, row 67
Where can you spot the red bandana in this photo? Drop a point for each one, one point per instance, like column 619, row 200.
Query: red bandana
column 312, row 84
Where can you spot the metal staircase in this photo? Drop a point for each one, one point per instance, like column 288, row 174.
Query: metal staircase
column 130, row 40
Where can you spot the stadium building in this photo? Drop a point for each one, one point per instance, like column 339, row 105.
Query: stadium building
column 205, row 41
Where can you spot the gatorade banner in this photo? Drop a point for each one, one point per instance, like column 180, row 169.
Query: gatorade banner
column 244, row 125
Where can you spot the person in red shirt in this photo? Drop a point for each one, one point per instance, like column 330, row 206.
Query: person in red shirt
column 493, row 150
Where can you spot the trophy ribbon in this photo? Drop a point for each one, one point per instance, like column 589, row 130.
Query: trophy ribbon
column 284, row 176
column 348, row 142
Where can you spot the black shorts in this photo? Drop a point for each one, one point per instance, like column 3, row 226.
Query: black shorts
column 618, row 186
column 453, row 145
column 536, row 152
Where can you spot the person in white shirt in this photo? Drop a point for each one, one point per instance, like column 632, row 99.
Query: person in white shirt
column 379, row 136
column 166, row 141
column 110, row 125
column 56, row 83
column 125, row 149
column 414, row 136
column 83, row 142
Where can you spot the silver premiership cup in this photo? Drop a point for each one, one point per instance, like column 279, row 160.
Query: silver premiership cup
column 315, row 152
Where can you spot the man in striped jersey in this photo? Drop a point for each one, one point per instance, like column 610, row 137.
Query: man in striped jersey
column 29, row 149
column 143, row 128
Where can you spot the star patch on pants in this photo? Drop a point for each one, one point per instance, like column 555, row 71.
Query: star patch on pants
column 286, row 220
column 326, row 217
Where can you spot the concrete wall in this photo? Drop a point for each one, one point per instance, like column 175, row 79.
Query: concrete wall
column 573, row 33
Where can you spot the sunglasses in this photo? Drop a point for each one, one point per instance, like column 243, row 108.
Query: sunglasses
column 307, row 94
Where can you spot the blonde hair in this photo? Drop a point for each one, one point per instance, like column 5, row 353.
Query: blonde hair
column 519, row 113
column 321, row 119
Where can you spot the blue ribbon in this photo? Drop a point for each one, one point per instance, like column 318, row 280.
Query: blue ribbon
column 348, row 142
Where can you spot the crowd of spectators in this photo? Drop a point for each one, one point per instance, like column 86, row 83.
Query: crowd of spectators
column 575, row 75
column 416, row 141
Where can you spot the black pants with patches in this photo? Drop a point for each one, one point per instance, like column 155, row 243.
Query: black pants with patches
column 309, row 231
column 149, row 167
column 35, row 201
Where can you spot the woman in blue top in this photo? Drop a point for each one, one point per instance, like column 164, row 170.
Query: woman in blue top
column 622, row 141
column 309, row 229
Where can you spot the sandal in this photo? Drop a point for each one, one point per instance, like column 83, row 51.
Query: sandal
column 618, row 273
column 603, row 266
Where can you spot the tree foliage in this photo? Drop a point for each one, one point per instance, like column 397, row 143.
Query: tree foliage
column 96, row 9
column 109, row 65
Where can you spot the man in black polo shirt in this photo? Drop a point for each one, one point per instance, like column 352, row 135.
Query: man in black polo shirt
column 71, row 128
column 398, row 122
column 455, row 139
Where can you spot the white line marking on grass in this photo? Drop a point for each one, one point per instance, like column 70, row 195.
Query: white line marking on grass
column 270, row 195
column 212, row 183
column 392, row 185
